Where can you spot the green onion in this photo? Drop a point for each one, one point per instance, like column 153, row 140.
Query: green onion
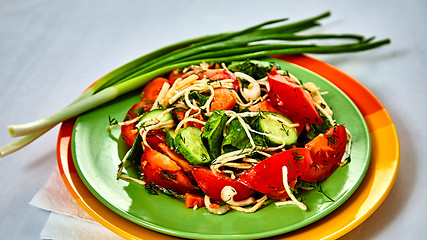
column 249, row 43
column 201, row 42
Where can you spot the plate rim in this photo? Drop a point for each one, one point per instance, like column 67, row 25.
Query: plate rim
column 69, row 183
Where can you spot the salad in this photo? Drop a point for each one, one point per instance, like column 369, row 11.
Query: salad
column 232, row 136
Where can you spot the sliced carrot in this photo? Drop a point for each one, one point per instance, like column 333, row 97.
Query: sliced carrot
column 192, row 200
column 152, row 89
column 214, row 206
column 223, row 99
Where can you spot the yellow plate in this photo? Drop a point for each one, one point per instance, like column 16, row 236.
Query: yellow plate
column 371, row 193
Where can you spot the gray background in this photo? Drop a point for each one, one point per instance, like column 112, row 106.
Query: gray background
column 51, row 50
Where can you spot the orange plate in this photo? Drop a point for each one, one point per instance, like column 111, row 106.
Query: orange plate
column 371, row 193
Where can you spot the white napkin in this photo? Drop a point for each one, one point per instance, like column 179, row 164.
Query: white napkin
column 67, row 221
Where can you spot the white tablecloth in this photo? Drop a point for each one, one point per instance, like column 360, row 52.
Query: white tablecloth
column 67, row 220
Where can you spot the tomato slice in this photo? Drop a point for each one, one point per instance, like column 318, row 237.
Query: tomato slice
column 267, row 177
column 178, row 158
column 173, row 180
column 220, row 74
column 216, row 74
column 174, row 75
column 177, row 73
column 292, row 99
column 129, row 132
column 164, row 172
column 327, row 151
column 265, row 105
column 159, row 160
column 280, row 193
column 212, row 184
column 213, row 74
column 180, row 115
column 154, row 138
column 152, row 89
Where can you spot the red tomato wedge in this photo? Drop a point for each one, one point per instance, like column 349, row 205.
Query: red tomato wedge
column 292, row 99
column 156, row 139
column 152, row 89
column 164, row 172
column 180, row 115
column 216, row 74
column 327, row 151
column 265, row 105
column 159, row 160
column 174, row 75
column 179, row 159
column 281, row 193
column 129, row 131
column 267, row 177
column 213, row 74
column 173, row 180
column 212, row 184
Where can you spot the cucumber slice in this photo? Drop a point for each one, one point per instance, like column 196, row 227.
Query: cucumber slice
column 189, row 143
column 170, row 138
column 277, row 125
column 156, row 113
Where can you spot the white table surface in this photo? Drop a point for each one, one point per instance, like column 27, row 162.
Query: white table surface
column 51, row 50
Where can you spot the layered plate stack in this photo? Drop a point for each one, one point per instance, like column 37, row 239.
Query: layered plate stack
column 88, row 156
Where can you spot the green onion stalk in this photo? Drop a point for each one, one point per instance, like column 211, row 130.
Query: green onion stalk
column 249, row 43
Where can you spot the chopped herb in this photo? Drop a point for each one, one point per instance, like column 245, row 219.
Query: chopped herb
column 332, row 139
column 290, row 164
column 322, row 105
column 296, row 156
column 165, row 175
column 112, row 121
column 151, row 188
column 320, row 189
column 199, row 97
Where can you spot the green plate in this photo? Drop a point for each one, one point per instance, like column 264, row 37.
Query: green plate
column 97, row 153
